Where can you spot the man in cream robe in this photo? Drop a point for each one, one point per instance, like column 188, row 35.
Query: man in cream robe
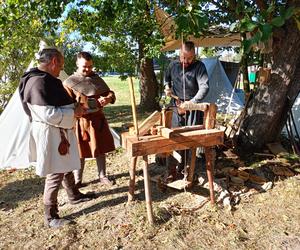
column 53, row 144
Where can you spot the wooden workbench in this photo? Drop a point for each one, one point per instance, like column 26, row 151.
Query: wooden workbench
column 156, row 144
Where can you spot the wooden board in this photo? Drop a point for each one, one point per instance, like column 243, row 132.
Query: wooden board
column 147, row 145
column 166, row 118
column 210, row 116
column 149, row 122
column 169, row 133
column 179, row 184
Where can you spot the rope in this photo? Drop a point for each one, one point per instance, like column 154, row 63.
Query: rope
column 185, row 174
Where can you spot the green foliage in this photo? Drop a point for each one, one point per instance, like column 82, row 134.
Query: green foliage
column 22, row 25
column 262, row 23
column 116, row 28
column 245, row 16
column 209, row 52
column 165, row 101
column 71, row 48
column 125, row 62
column 123, row 32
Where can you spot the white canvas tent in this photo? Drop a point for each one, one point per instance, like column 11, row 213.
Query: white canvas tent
column 14, row 133
column 221, row 91
column 296, row 115
column 14, row 128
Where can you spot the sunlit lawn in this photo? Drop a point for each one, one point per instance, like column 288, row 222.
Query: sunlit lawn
column 121, row 89
column 120, row 112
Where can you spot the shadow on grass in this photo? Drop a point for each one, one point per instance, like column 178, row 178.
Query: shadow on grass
column 21, row 190
column 98, row 207
column 158, row 194
column 116, row 114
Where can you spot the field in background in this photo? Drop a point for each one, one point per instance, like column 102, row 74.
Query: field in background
column 121, row 89
column 120, row 112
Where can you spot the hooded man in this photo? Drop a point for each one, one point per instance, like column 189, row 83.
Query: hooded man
column 52, row 144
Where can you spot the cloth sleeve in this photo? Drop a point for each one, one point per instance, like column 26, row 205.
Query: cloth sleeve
column 110, row 94
column 61, row 117
column 203, row 84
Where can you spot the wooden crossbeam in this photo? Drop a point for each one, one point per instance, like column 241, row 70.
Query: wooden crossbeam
column 169, row 133
column 210, row 116
column 147, row 145
column 146, row 125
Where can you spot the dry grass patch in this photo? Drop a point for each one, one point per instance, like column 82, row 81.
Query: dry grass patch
column 264, row 220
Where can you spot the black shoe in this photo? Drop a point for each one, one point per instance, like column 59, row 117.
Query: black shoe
column 80, row 185
column 83, row 198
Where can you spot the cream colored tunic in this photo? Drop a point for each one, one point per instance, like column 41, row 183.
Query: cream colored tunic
column 45, row 139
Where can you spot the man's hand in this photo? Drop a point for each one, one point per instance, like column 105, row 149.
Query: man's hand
column 168, row 91
column 103, row 100
column 79, row 110
column 180, row 110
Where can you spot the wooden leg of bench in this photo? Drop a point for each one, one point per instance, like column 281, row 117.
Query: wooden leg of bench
column 147, row 190
column 209, row 168
column 190, row 177
column 132, row 178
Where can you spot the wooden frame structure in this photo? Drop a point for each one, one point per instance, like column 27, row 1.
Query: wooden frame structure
column 168, row 140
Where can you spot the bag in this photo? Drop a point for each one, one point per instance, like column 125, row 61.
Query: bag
column 64, row 145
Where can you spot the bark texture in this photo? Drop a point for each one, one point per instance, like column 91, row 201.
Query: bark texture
column 267, row 111
column 148, row 84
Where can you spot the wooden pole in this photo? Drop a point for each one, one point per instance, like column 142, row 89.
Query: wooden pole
column 191, row 170
column 133, row 106
column 132, row 169
column 209, row 157
column 147, row 190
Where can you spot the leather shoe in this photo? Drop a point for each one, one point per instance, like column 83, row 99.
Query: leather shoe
column 56, row 223
column 83, row 198
column 105, row 181
column 80, row 185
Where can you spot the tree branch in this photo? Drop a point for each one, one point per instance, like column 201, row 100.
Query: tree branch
column 262, row 5
column 220, row 6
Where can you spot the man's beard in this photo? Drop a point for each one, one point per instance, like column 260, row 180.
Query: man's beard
column 185, row 65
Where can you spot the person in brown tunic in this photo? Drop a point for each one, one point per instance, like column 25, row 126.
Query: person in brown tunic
column 92, row 130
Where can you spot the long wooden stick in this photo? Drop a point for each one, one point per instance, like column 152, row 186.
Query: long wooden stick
column 133, row 106
column 147, row 190
column 132, row 169
column 210, row 159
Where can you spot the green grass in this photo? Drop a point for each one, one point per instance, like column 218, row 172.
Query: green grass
column 120, row 112
column 121, row 89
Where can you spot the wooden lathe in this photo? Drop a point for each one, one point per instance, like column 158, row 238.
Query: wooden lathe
column 166, row 140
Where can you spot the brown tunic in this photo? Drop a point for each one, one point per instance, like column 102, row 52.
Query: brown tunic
column 92, row 130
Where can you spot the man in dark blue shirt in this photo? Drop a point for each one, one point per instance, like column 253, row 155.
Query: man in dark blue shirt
column 186, row 79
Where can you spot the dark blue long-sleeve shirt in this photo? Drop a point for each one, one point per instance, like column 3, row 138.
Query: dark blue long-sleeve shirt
column 196, row 81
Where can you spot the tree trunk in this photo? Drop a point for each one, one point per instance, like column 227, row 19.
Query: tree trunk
column 267, row 111
column 148, row 83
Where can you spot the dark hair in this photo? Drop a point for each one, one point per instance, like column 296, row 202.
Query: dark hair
column 189, row 45
column 46, row 55
column 85, row 55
